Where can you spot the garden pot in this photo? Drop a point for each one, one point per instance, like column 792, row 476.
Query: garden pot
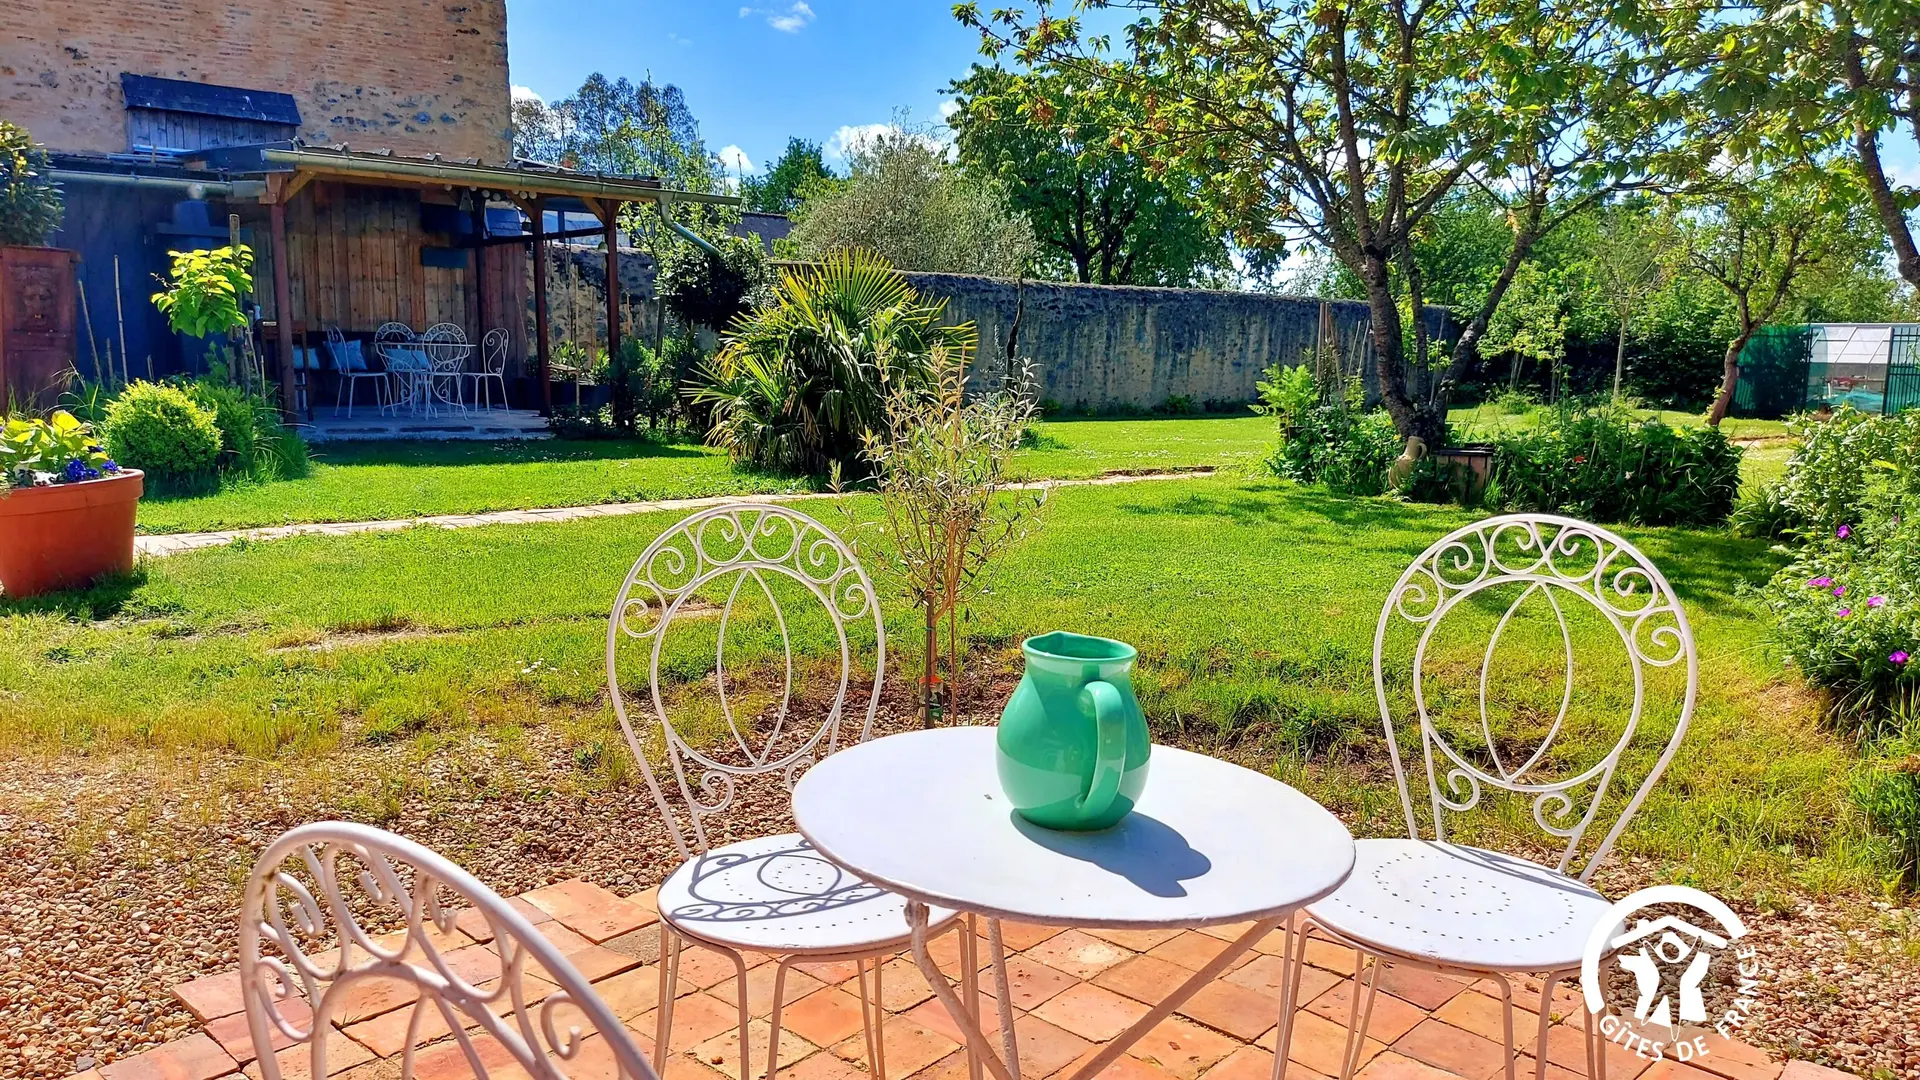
column 1470, row 469
column 1073, row 743
column 67, row 535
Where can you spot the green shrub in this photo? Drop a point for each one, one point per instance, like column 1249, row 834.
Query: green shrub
column 702, row 290
column 800, row 381
column 158, row 429
column 1605, row 465
column 1335, row 443
column 1887, row 791
column 1839, row 459
column 641, row 383
column 1513, row 402
column 1762, row 513
column 30, row 205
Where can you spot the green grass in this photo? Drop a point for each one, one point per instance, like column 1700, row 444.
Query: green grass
column 1484, row 417
column 1252, row 603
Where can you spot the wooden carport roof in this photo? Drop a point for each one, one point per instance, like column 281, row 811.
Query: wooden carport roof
column 288, row 167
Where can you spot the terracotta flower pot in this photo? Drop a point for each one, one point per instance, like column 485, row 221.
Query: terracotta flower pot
column 67, row 535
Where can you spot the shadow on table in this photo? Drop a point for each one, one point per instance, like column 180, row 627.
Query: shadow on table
column 1143, row 849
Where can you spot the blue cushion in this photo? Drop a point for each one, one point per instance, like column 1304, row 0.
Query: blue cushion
column 407, row 359
column 347, row 355
column 306, row 358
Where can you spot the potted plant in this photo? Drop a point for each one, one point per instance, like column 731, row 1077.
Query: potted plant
column 66, row 509
column 37, row 301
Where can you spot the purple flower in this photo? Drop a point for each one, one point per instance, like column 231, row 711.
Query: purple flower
column 75, row 471
column 1819, row 582
column 1898, row 657
column 1839, row 590
column 1844, row 612
column 1843, row 531
column 110, row 466
column 1876, row 601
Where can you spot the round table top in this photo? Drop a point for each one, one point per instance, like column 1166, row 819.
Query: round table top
column 1209, row 842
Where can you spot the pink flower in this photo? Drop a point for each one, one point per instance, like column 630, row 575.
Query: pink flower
column 1844, row 612
column 1843, row 531
column 1899, row 657
column 1839, row 590
column 1876, row 601
column 1819, row 582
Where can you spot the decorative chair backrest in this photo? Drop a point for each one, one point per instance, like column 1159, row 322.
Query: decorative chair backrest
column 442, row 343
column 493, row 351
column 303, row 932
column 390, row 335
column 758, row 548
column 1494, row 568
column 334, row 336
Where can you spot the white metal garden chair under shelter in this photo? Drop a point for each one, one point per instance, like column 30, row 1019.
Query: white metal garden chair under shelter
column 1577, row 750
column 306, row 940
column 724, row 572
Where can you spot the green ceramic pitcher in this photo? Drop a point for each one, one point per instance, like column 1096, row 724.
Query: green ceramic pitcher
column 1073, row 742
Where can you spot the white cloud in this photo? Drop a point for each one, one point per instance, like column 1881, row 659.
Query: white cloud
column 788, row 20
column 948, row 108
column 852, row 137
column 734, row 160
column 525, row 93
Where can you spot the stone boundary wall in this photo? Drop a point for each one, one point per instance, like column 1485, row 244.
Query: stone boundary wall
column 1107, row 346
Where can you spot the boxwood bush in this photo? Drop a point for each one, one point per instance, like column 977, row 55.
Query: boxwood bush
column 159, row 430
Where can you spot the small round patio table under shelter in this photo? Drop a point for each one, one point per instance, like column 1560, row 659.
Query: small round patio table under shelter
column 1209, row 843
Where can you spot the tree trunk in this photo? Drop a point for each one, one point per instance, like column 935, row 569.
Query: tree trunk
column 1729, row 380
column 1619, row 361
column 1389, row 349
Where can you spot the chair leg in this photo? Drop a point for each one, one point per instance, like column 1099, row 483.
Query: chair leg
column 869, row 1022
column 669, row 985
column 746, row 1018
column 1506, row 1025
column 1546, row 1024
column 1359, row 1014
column 779, row 999
column 1289, row 994
column 969, row 930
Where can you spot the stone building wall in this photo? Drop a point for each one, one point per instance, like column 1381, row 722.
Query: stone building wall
column 412, row 76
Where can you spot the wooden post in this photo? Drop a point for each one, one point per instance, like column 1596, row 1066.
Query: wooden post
column 479, row 264
column 610, row 222
column 283, row 308
column 540, row 303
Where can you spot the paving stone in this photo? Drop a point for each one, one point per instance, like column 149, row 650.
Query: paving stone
column 1427, row 989
column 1192, row 950
column 1456, row 1050
column 1078, row 953
column 296, row 1062
column 1144, row 978
column 760, row 988
column 1669, row 1069
column 902, row 986
column 1262, row 975
column 1227, row 931
column 196, row 1057
column 722, row 1052
column 1091, row 1012
column 473, row 922
column 236, row 1038
column 906, row 1045
column 1124, row 1067
column 1392, row 1066
column 1795, row 1070
column 1391, row 1017
column 833, row 973
column 695, row 1020
column 934, row 1017
column 830, row 1066
column 1567, row 1047
column 1030, row 982
column 1726, row 1057
column 1019, row 936
column 824, row 1017
column 1482, row 1015
column 212, row 997
column 1046, row 1049
column 701, row 967
column 1320, row 1044
column 1183, row 1048
column 631, row 992
column 1234, row 1009
column 589, row 910
column 1136, row 940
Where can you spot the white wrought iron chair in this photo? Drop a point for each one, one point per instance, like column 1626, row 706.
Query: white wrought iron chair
column 447, row 350
column 397, row 344
column 773, row 894
column 493, row 367
column 306, row 939
column 350, row 377
column 1447, row 907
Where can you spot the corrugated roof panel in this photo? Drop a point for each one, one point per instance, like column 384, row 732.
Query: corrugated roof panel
column 208, row 99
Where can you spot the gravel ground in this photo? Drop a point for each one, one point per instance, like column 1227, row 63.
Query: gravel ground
column 120, row 877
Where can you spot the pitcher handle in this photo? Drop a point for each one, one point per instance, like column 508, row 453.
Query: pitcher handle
column 1110, row 745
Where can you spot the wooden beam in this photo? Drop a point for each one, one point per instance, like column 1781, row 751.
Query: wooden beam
column 480, row 265
column 610, row 219
column 283, row 308
column 539, row 215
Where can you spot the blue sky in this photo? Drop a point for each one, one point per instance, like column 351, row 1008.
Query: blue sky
column 754, row 71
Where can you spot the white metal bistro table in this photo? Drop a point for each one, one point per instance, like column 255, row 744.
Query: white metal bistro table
column 1209, row 843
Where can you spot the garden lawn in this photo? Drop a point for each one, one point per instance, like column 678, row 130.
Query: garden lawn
column 1483, row 417
column 379, row 481
column 1252, row 603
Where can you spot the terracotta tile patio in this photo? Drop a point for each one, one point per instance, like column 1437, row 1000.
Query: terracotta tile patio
column 1072, row 990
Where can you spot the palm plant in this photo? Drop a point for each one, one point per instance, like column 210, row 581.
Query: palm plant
column 799, row 382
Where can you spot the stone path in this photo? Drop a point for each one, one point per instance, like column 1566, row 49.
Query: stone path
column 1073, row 990
column 175, row 543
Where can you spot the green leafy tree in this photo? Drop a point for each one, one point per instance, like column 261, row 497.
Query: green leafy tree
column 30, row 204
column 204, row 289
column 1531, row 325
column 906, row 203
column 800, row 170
column 1348, row 124
column 1625, row 265
column 1798, row 79
column 701, row 289
column 1100, row 213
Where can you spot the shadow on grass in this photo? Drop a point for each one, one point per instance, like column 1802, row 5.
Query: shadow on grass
column 104, row 599
column 507, row 452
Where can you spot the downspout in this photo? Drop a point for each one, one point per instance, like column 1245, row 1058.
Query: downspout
column 198, row 189
column 682, row 231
